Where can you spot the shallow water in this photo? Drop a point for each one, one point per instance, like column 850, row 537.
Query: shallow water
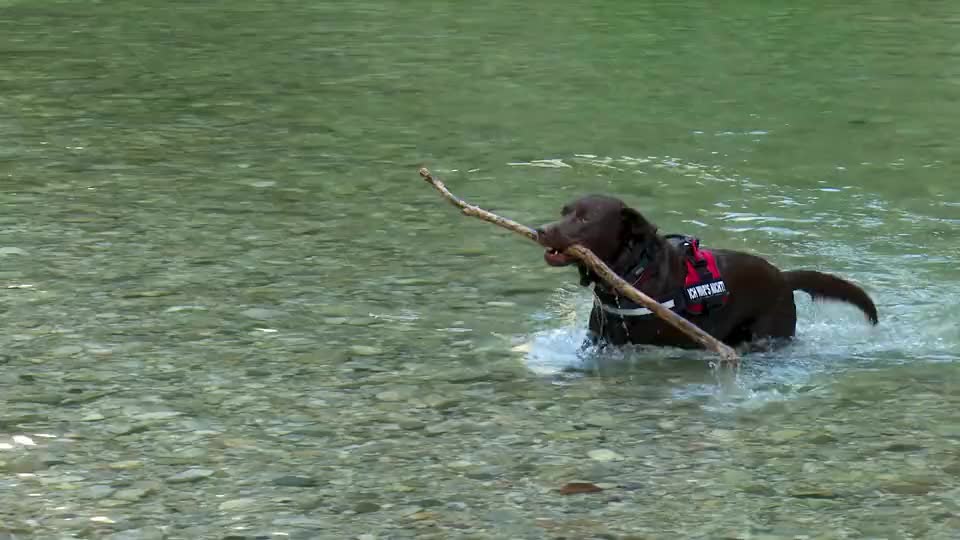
column 232, row 309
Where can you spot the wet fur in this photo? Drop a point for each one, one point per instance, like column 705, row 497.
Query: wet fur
column 760, row 309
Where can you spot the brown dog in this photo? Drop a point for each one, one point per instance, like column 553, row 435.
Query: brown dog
column 735, row 297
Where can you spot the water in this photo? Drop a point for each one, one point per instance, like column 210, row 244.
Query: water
column 232, row 309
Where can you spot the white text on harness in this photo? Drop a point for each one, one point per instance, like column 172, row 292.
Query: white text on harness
column 706, row 290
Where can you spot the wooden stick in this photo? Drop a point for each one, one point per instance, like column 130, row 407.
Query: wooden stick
column 727, row 354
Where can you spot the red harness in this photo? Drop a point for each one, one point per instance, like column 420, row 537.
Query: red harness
column 703, row 286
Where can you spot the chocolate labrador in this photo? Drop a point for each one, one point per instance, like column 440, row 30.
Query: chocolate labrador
column 736, row 297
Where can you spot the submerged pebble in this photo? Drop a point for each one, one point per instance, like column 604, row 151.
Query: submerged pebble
column 190, row 475
column 134, row 493
column 366, row 507
column 234, row 505
column 603, row 454
column 263, row 314
column 295, row 481
column 365, row 350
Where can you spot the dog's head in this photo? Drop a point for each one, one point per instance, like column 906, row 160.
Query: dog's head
column 604, row 225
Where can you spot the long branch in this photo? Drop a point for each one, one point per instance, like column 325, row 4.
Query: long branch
column 727, row 354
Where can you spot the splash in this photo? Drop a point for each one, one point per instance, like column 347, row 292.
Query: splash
column 844, row 229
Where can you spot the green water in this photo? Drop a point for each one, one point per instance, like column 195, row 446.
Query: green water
column 232, row 310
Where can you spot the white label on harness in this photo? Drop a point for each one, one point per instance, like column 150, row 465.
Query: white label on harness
column 706, row 290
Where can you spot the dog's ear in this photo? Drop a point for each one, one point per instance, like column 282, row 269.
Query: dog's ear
column 635, row 223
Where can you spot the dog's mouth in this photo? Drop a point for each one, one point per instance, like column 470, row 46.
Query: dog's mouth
column 555, row 244
column 555, row 257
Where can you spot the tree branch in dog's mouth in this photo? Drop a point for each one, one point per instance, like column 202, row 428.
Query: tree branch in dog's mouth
column 576, row 252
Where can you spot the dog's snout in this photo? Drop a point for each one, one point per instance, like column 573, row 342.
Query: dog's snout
column 551, row 236
column 546, row 234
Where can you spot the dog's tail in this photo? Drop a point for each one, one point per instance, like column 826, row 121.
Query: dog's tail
column 826, row 286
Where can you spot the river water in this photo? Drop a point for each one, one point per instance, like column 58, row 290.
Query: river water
column 231, row 309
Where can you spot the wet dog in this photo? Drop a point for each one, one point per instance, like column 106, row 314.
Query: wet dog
column 736, row 297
